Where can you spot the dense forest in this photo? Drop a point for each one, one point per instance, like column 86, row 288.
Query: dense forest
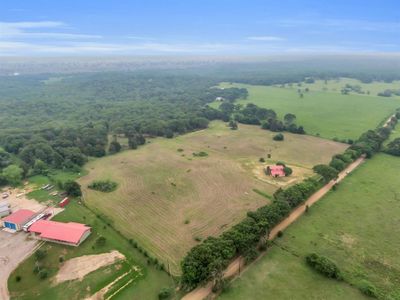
column 58, row 121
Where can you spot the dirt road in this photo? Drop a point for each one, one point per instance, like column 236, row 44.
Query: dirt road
column 236, row 266
column 14, row 248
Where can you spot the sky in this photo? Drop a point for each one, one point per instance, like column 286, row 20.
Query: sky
column 201, row 27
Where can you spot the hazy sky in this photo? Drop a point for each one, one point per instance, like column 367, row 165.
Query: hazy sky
column 215, row 27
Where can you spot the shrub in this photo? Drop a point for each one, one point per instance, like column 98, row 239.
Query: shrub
column 250, row 254
column 165, row 293
column 278, row 137
column 101, row 241
column 288, row 171
column 368, row 289
column 43, row 273
column 18, row 278
column 200, row 154
column 279, row 234
column 324, row 266
column 261, row 159
column 220, row 285
column 40, row 254
column 105, row 186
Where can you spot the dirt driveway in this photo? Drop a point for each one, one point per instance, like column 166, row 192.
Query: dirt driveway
column 14, row 248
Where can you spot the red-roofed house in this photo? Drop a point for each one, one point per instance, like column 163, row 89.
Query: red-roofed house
column 275, row 171
column 16, row 220
column 71, row 233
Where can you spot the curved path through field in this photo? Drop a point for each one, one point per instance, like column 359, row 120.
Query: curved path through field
column 237, row 265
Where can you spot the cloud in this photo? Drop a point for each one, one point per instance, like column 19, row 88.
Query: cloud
column 341, row 24
column 266, row 38
column 26, row 30
column 8, row 48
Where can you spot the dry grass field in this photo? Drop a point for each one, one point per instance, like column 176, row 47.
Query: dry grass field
column 167, row 199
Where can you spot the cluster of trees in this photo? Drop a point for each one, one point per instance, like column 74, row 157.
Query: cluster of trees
column 393, row 147
column 370, row 142
column 254, row 115
column 228, row 94
column 207, row 260
column 39, row 151
column 352, row 88
column 105, row 186
column 389, row 93
column 327, row 172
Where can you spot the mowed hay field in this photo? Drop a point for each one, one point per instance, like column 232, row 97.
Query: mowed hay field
column 167, row 199
column 357, row 226
column 325, row 113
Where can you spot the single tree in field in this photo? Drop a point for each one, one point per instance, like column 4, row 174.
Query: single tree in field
column 289, row 118
column 73, row 188
column 233, row 125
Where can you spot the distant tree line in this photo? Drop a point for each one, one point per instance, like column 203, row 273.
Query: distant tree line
column 254, row 115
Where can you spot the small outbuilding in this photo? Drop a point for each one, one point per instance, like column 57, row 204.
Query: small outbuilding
column 4, row 211
column 18, row 219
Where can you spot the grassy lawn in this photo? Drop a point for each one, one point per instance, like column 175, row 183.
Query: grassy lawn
column 146, row 282
column 327, row 113
column 54, row 177
column 356, row 226
column 168, row 199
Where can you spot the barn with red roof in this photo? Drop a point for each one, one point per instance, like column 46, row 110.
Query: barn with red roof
column 275, row 171
column 72, row 234
column 18, row 219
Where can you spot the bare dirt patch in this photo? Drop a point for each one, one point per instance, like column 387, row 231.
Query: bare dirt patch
column 14, row 248
column 79, row 267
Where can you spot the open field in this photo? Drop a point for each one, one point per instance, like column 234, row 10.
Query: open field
column 325, row 113
column 336, row 85
column 356, row 226
column 166, row 199
column 146, row 279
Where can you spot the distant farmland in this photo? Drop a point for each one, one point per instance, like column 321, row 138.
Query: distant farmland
column 168, row 199
column 356, row 226
column 323, row 109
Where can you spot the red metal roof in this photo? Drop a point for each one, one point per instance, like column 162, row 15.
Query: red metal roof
column 66, row 232
column 20, row 216
column 277, row 170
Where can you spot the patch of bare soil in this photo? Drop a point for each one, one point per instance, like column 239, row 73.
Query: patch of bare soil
column 79, row 267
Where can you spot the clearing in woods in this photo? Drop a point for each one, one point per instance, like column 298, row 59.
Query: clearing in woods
column 168, row 198
column 355, row 226
column 323, row 110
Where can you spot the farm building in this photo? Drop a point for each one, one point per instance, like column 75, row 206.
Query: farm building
column 275, row 171
column 72, row 234
column 18, row 219
column 5, row 209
